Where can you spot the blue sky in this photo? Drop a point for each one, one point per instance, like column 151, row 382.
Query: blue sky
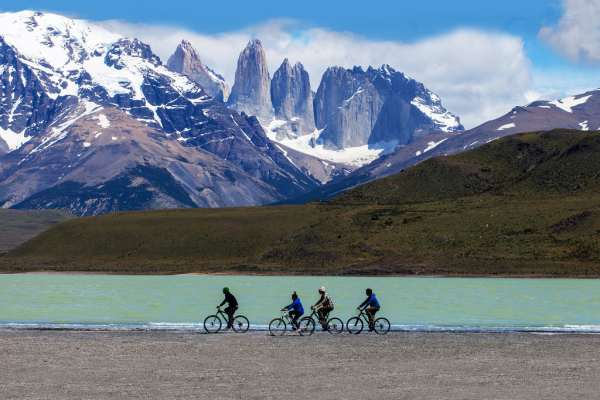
column 537, row 66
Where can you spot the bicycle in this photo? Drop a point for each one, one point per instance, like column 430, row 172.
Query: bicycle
column 213, row 323
column 355, row 325
column 333, row 325
column 278, row 326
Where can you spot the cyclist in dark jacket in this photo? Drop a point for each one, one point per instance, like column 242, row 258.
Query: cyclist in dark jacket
column 370, row 306
column 295, row 310
column 232, row 306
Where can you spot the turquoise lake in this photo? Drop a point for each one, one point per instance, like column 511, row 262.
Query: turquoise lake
column 182, row 302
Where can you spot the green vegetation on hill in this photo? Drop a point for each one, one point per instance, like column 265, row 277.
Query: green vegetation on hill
column 16, row 226
column 523, row 205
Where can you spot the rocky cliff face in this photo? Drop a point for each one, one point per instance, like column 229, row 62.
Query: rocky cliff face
column 186, row 61
column 578, row 112
column 57, row 73
column 251, row 92
column 292, row 99
column 354, row 107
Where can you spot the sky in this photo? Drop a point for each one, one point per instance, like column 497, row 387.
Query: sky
column 481, row 57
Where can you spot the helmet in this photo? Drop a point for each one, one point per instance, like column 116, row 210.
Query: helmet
column 294, row 295
column 369, row 291
column 225, row 290
column 322, row 289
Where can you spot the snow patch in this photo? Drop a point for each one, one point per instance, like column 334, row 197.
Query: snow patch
column 568, row 103
column 507, row 126
column 14, row 140
column 308, row 144
column 103, row 121
column 445, row 120
column 584, row 126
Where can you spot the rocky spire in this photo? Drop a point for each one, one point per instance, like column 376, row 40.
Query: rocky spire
column 186, row 61
column 251, row 90
column 292, row 97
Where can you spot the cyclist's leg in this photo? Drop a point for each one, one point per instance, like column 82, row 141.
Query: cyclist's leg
column 320, row 313
column 295, row 315
column 371, row 311
column 370, row 314
column 230, row 311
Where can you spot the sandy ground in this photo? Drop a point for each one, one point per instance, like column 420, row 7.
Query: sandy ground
column 86, row 365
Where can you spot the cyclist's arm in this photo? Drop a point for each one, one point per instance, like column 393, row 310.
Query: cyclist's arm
column 364, row 303
column 223, row 302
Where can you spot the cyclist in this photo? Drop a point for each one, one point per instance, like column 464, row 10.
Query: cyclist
column 323, row 306
column 232, row 305
column 295, row 310
column 370, row 306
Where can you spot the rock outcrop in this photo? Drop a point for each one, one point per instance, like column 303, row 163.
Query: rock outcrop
column 354, row 107
column 186, row 61
column 251, row 92
column 292, row 98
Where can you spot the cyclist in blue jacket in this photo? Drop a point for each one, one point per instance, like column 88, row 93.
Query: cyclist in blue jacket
column 370, row 306
column 295, row 310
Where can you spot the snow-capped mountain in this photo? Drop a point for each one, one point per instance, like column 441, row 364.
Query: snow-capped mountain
column 59, row 74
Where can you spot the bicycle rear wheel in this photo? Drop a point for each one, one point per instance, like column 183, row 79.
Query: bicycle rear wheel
column 382, row 326
column 212, row 324
column 277, row 327
column 354, row 325
column 335, row 326
column 306, row 326
column 241, row 324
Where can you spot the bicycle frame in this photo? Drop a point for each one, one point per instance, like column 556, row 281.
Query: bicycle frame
column 363, row 316
column 221, row 314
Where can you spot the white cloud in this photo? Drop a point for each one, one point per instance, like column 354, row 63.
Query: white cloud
column 577, row 34
column 479, row 75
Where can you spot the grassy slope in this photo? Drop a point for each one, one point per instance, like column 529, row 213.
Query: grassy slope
column 524, row 205
column 16, row 227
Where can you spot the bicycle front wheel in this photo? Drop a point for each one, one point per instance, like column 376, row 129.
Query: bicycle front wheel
column 277, row 327
column 354, row 325
column 306, row 326
column 335, row 326
column 212, row 324
column 381, row 326
column 241, row 324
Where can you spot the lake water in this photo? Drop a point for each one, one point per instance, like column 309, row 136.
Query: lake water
column 182, row 302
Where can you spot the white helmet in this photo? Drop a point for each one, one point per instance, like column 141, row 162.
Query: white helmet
column 322, row 289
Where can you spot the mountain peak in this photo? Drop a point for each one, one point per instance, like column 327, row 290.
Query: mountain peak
column 251, row 90
column 254, row 44
column 186, row 61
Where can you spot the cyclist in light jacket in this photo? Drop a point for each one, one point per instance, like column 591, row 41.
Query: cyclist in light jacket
column 323, row 306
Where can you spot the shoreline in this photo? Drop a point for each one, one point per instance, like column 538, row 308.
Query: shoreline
column 299, row 274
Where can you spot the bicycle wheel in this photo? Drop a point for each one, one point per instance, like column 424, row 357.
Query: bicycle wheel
column 306, row 326
column 382, row 326
column 354, row 325
column 212, row 324
column 335, row 325
column 277, row 327
column 241, row 324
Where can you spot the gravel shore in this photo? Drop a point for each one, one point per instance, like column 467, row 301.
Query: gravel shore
column 98, row 365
